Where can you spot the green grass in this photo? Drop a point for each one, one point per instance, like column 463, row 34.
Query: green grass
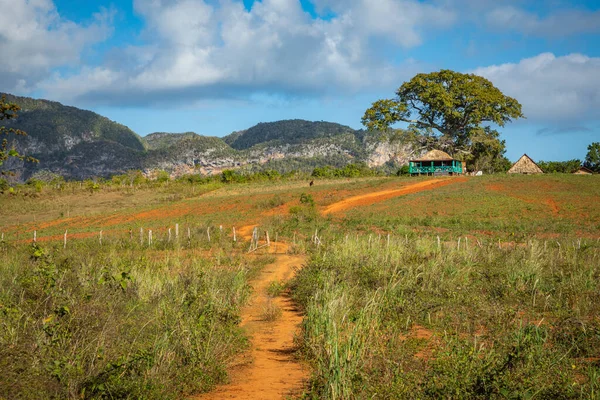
column 503, row 206
column 117, row 322
column 416, row 321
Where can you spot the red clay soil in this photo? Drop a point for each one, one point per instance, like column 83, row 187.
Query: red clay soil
column 269, row 370
column 376, row 197
column 549, row 201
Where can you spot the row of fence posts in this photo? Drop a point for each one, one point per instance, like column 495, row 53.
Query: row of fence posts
column 253, row 245
column 315, row 239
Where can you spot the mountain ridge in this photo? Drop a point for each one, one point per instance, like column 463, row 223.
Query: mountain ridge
column 80, row 144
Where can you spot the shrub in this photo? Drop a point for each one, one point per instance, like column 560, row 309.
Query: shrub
column 404, row 170
column 163, row 176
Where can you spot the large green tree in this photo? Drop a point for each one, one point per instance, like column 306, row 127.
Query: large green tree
column 451, row 111
column 7, row 147
column 592, row 159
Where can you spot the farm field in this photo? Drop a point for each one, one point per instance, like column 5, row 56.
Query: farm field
column 480, row 287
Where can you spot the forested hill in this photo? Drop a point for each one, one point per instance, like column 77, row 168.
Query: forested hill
column 61, row 127
column 290, row 132
column 81, row 144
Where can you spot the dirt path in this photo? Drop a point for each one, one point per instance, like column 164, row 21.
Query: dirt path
column 269, row 369
column 376, row 197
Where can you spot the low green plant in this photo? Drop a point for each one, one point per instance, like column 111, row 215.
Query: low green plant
column 275, row 288
column 418, row 319
column 97, row 321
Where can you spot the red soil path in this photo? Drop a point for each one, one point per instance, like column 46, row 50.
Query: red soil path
column 376, row 197
column 269, row 369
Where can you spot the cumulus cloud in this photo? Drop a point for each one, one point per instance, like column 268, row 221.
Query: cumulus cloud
column 34, row 39
column 557, row 24
column 199, row 48
column 551, row 88
column 400, row 20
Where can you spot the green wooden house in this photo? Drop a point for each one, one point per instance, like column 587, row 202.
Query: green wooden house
column 435, row 162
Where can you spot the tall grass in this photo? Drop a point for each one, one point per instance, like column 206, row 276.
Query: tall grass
column 110, row 321
column 414, row 320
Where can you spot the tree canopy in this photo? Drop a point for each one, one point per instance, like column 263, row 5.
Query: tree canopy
column 7, row 149
column 565, row 167
column 592, row 159
column 450, row 111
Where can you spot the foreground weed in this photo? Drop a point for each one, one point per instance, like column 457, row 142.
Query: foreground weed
column 420, row 319
column 275, row 288
column 109, row 323
column 271, row 311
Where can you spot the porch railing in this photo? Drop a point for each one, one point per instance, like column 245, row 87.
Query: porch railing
column 432, row 170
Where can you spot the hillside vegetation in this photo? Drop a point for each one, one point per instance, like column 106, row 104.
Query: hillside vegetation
column 80, row 144
column 288, row 132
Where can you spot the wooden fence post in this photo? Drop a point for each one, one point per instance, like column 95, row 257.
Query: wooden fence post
column 208, row 233
column 234, row 236
column 65, row 241
column 176, row 231
column 34, row 236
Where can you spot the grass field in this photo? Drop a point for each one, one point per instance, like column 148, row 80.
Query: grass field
column 486, row 287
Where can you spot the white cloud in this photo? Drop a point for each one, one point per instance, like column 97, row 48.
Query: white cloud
column 551, row 88
column 399, row 20
column 34, row 39
column 201, row 48
column 557, row 24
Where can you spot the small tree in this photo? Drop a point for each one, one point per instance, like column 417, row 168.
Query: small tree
column 592, row 159
column 8, row 149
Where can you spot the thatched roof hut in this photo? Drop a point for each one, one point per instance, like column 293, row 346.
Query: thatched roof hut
column 434, row 155
column 435, row 162
column 583, row 171
column 526, row 166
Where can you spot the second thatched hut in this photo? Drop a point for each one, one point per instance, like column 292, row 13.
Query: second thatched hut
column 525, row 166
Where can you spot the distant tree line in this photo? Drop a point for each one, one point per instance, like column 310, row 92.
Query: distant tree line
column 348, row 171
column 565, row 167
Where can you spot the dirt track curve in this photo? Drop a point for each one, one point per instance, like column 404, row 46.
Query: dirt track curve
column 269, row 369
column 376, row 197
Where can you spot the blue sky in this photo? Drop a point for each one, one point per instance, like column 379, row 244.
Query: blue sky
column 216, row 66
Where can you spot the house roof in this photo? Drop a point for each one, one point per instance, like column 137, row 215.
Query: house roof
column 583, row 169
column 434, row 155
column 525, row 165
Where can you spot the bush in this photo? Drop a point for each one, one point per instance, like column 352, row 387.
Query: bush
column 163, row 176
column 404, row 170
column 36, row 184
